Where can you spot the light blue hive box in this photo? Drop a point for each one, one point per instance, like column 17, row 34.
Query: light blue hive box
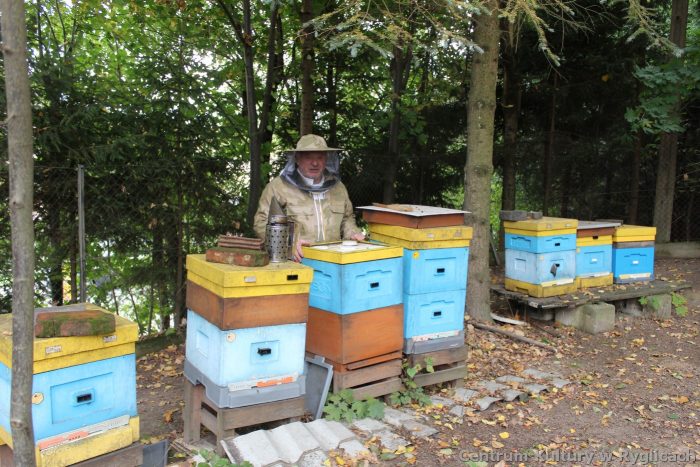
column 245, row 358
column 353, row 277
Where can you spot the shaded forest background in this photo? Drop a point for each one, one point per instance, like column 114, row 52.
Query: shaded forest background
column 149, row 100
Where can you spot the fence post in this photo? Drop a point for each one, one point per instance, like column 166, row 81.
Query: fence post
column 81, row 228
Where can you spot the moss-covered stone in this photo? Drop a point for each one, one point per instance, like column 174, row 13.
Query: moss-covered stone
column 238, row 256
column 73, row 323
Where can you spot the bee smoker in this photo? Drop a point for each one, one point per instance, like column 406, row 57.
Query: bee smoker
column 279, row 234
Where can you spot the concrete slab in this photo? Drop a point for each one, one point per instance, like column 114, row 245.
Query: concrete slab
column 391, row 441
column 292, row 440
column 255, row 447
column 312, row 459
column 569, row 317
column 353, row 448
column 418, row 429
column 537, row 374
column 510, row 379
column 444, row 401
column 598, row 317
column 369, row 425
column 534, row 388
column 677, row 250
column 560, row 383
column 509, row 395
column 329, row 434
column 491, row 387
column 395, row 417
column 485, row 402
column 458, row 411
column 464, row 395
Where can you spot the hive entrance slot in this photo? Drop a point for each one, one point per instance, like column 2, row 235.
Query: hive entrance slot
column 374, row 285
column 441, row 270
column 266, row 351
column 292, row 277
column 83, row 398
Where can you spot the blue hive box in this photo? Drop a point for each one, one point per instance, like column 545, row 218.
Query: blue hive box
column 435, row 270
column 355, row 287
column 595, row 260
column 633, row 264
column 541, row 268
column 245, row 358
column 76, row 396
column 433, row 313
column 540, row 244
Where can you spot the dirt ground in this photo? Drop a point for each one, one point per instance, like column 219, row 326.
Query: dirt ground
column 635, row 397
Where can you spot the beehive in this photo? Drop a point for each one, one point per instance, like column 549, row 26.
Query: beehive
column 245, row 358
column 429, row 315
column 356, row 336
column 541, row 256
column 83, row 386
column 434, row 259
column 234, row 297
column 633, row 253
column 354, row 277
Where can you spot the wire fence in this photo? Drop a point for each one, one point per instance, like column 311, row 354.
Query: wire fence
column 138, row 228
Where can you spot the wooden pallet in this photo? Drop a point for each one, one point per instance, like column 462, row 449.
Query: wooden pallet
column 371, row 380
column 449, row 365
column 223, row 422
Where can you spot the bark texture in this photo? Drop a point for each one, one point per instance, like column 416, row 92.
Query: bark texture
column 479, row 167
column 19, row 139
column 668, row 148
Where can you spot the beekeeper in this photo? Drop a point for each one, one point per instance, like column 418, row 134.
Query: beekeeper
column 310, row 192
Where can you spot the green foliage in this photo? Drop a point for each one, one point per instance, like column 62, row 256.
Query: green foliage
column 211, row 459
column 343, row 406
column 412, row 393
column 679, row 303
column 665, row 87
column 652, row 302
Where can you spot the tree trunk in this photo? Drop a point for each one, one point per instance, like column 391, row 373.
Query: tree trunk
column 400, row 69
column 421, row 151
column 478, row 168
column 244, row 33
column 332, row 96
column 179, row 306
column 57, row 254
column 549, row 150
column 511, row 112
column 306, row 125
column 255, row 187
column 633, row 207
column 668, row 148
column 21, row 167
column 74, row 287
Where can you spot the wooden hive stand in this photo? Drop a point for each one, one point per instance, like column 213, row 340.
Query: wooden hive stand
column 449, row 365
column 373, row 377
column 130, row 456
column 223, row 422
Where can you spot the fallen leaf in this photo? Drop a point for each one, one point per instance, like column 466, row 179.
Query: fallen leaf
column 504, row 435
column 168, row 415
